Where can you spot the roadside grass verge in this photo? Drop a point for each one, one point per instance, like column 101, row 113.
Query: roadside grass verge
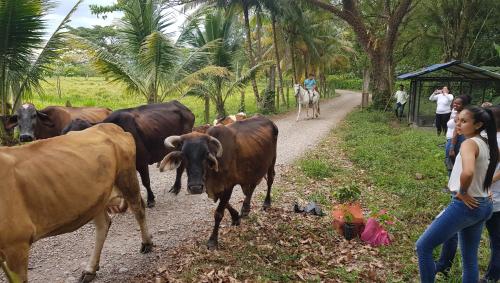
column 395, row 167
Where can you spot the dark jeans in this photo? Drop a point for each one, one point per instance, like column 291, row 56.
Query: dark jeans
column 456, row 218
column 400, row 108
column 493, row 226
column 441, row 120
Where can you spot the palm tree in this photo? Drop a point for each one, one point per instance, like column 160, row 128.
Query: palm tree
column 213, row 30
column 246, row 6
column 22, row 30
column 275, row 9
column 145, row 57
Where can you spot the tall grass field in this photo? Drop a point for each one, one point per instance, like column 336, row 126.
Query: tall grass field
column 96, row 91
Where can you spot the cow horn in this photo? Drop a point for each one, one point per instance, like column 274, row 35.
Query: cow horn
column 219, row 146
column 172, row 141
column 214, row 160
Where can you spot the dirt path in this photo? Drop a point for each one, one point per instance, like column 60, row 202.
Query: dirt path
column 175, row 218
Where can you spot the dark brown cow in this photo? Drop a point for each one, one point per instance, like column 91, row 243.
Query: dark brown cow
column 50, row 121
column 241, row 153
column 55, row 186
column 150, row 125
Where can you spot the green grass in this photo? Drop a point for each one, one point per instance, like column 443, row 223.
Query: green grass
column 96, row 91
column 315, row 168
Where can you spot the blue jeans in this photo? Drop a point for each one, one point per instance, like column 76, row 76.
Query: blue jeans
column 493, row 226
column 400, row 108
column 456, row 218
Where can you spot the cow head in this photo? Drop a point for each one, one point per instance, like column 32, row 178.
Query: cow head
column 198, row 152
column 26, row 118
column 76, row 125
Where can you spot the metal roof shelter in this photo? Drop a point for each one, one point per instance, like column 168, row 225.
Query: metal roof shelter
column 461, row 78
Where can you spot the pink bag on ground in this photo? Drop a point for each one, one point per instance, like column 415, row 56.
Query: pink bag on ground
column 374, row 234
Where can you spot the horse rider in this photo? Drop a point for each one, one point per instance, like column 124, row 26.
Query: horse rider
column 310, row 85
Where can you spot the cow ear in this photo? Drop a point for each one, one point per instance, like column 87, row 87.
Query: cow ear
column 10, row 122
column 45, row 119
column 172, row 161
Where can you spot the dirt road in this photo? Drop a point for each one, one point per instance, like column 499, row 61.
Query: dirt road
column 175, row 218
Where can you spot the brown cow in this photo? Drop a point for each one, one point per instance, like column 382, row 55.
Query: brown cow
column 50, row 121
column 150, row 125
column 241, row 153
column 55, row 186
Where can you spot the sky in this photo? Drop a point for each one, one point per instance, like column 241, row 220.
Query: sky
column 83, row 17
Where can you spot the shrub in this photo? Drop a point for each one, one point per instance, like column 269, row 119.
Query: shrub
column 347, row 193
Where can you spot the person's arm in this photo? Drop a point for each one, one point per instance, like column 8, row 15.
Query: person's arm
column 450, row 97
column 469, row 151
column 433, row 96
column 496, row 176
column 454, row 138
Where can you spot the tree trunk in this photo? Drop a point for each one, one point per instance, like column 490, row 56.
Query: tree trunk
column 377, row 42
column 258, row 27
column 242, row 101
column 207, row 108
column 294, row 65
column 269, row 94
column 382, row 80
column 219, row 102
column 306, row 71
column 250, row 52
column 277, row 55
column 58, row 85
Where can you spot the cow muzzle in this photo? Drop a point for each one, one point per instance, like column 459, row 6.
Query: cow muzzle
column 195, row 189
column 26, row 138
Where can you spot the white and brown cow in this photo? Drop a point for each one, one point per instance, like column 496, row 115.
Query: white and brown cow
column 230, row 119
column 55, row 186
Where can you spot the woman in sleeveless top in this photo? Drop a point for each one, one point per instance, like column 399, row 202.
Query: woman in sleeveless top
column 470, row 180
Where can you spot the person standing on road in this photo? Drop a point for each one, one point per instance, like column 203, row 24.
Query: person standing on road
column 443, row 109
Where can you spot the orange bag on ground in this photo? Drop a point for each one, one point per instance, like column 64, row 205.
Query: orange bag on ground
column 357, row 215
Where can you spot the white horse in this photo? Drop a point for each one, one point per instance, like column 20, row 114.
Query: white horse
column 307, row 99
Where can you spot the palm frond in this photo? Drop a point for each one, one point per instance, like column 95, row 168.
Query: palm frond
column 157, row 56
column 196, row 79
column 246, row 77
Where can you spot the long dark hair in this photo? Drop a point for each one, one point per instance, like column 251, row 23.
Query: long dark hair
column 486, row 117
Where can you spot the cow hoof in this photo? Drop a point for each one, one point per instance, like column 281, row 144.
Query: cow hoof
column 236, row 222
column 86, row 277
column 151, row 203
column 244, row 213
column 175, row 190
column 266, row 206
column 146, row 248
column 212, row 245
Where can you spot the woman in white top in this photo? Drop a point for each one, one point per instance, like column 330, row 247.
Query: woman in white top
column 443, row 109
column 470, row 180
